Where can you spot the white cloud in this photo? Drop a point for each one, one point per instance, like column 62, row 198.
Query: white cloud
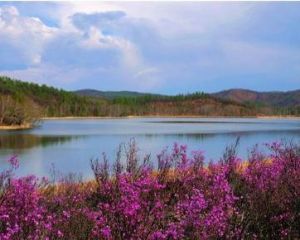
column 147, row 45
column 131, row 58
column 131, row 61
column 28, row 34
column 31, row 36
column 96, row 39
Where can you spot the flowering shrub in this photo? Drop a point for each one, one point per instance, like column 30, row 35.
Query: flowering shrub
column 180, row 199
column 269, row 194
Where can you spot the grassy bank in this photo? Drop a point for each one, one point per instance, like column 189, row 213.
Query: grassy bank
column 181, row 198
column 16, row 127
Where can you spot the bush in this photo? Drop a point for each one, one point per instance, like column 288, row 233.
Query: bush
column 179, row 199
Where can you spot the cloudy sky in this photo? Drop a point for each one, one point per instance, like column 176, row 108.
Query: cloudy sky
column 158, row 47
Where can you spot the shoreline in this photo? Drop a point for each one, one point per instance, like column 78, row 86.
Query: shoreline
column 16, row 127
column 167, row 116
column 29, row 126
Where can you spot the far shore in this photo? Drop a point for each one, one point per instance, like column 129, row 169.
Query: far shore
column 29, row 126
column 169, row 116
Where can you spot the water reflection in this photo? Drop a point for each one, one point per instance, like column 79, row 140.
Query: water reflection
column 227, row 121
column 202, row 136
column 193, row 121
column 25, row 141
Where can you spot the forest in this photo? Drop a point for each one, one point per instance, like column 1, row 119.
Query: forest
column 25, row 103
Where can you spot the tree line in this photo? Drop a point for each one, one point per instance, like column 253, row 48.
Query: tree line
column 24, row 102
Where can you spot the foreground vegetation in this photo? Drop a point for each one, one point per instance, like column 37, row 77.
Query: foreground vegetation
column 179, row 199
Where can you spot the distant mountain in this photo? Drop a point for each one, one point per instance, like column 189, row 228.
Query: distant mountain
column 267, row 99
column 263, row 103
column 111, row 94
column 270, row 99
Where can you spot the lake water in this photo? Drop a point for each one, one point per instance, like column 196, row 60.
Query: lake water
column 70, row 144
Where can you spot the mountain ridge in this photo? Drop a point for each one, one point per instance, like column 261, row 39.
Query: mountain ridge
column 268, row 98
column 241, row 95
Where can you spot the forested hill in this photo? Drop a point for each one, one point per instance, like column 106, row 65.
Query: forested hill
column 22, row 101
column 262, row 103
column 282, row 99
column 279, row 102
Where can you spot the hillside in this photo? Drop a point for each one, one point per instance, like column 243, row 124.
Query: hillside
column 182, row 105
column 22, row 102
column 262, row 103
column 279, row 99
column 287, row 103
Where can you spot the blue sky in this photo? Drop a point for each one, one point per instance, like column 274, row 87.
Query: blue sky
column 158, row 47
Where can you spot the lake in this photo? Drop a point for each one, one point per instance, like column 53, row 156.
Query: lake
column 70, row 144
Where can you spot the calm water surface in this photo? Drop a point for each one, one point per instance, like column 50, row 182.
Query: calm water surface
column 70, row 144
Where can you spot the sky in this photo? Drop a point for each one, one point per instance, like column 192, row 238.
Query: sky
column 159, row 47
